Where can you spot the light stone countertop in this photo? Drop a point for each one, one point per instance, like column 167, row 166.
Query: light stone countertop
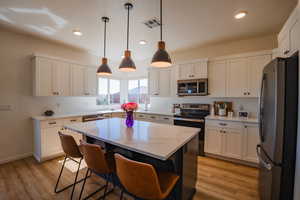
column 80, row 114
column 233, row 119
column 152, row 139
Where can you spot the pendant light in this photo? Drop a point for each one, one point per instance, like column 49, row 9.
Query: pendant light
column 104, row 68
column 161, row 57
column 127, row 64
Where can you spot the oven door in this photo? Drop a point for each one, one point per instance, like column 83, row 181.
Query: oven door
column 195, row 123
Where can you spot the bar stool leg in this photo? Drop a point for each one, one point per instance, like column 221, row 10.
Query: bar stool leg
column 76, row 178
column 86, row 176
column 60, row 173
column 121, row 197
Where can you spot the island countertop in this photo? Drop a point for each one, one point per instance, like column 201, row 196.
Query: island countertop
column 152, row 139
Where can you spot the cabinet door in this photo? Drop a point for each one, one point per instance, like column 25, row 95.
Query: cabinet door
column 213, row 140
column 43, row 77
column 255, row 67
column 153, row 79
column 232, row 143
column 237, row 78
column 217, row 78
column 77, row 80
column 200, row 70
column 61, row 78
column 90, row 82
column 165, row 83
column 51, row 144
column 294, row 38
column 186, row 71
column 251, row 139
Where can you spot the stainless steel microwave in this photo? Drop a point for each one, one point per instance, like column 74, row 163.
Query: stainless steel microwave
column 195, row 87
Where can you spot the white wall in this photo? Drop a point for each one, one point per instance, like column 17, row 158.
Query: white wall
column 16, row 135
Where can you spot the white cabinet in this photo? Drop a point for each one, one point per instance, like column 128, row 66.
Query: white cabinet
column 256, row 65
column 232, row 143
column 235, row 140
column 83, row 81
column 237, row 78
column 160, row 82
column 295, row 37
column 217, row 78
column 51, row 77
column 213, row 140
column 194, row 70
column 250, row 141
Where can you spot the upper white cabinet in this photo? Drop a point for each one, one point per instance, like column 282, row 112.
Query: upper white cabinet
column 194, row 70
column 53, row 77
column 237, row 78
column 217, row 78
column 160, row 82
column 288, row 38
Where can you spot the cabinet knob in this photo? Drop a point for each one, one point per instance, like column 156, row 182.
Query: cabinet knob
column 248, row 93
column 286, row 52
column 245, row 93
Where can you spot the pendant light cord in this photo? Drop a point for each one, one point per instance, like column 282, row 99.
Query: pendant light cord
column 160, row 20
column 128, row 7
column 104, row 38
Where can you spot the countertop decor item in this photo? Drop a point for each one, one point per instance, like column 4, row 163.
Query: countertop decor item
column 127, row 64
column 48, row 113
column 221, row 108
column 161, row 57
column 104, row 68
column 129, row 108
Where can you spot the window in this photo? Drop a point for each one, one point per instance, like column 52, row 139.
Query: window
column 108, row 91
column 138, row 91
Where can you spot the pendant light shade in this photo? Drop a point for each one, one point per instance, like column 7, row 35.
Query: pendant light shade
column 161, row 57
column 104, row 69
column 127, row 64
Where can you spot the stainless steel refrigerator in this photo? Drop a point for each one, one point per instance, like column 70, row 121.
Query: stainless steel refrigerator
column 278, row 129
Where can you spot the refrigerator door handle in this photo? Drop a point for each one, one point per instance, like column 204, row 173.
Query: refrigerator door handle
column 266, row 165
column 261, row 106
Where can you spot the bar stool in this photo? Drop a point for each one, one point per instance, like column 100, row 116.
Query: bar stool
column 142, row 181
column 71, row 151
column 100, row 163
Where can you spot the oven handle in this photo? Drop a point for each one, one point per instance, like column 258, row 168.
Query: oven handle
column 190, row 120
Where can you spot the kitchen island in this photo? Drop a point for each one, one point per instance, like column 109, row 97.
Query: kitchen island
column 166, row 147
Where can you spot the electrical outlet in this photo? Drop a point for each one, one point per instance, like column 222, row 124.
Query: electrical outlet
column 5, row 107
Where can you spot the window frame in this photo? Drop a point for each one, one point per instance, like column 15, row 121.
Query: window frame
column 108, row 90
column 139, row 87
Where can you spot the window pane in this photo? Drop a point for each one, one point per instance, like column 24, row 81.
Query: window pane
column 114, row 90
column 133, row 90
column 144, row 98
column 102, row 91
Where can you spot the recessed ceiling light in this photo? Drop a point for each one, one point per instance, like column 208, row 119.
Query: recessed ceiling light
column 143, row 42
column 240, row 15
column 77, row 32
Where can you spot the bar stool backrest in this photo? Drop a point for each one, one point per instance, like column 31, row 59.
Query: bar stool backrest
column 138, row 178
column 69, row 145
column 95, row 158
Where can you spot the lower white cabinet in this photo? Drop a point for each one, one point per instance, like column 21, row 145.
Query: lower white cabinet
column 47, row 143
column 235, row 140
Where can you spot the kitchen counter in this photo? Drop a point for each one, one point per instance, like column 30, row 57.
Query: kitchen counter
column 80, row 114
column 233, row 119
column 156, row 140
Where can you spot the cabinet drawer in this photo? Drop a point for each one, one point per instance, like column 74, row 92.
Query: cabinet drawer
column 72, row 120
column 153, row 117
column 166, row 119
column 224, row 124
column 140, row 116
column 51, row 123
column 107, row 115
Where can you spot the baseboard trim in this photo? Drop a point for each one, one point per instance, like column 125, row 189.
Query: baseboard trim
column 17, row 157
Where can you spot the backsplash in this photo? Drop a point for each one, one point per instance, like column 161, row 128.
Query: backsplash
column 165, row 103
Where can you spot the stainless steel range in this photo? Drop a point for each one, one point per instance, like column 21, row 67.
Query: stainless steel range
column 193, row 115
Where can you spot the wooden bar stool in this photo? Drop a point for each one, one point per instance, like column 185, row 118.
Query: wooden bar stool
column 142, row 181
column 71, row 151
column 100, row 163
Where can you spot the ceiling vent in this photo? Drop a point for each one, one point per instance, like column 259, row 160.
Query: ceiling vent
column 152, row 23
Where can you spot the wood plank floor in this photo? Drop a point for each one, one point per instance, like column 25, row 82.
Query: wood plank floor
column 217, row 180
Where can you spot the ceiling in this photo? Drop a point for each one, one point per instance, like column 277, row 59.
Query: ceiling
column 187, row 23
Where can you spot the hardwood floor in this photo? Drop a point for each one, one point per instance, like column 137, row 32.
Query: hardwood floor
column 217, row 180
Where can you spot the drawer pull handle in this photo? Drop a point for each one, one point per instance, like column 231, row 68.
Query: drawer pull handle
column 52, row 123
column 73, row 120
column 223, row 124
